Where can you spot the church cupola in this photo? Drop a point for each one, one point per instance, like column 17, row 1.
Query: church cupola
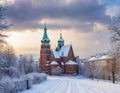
column 60, row 41
column 45, row 38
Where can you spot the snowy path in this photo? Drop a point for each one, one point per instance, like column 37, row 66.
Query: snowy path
column 72, row 85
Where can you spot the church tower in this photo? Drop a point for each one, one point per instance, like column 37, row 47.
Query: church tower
column 45, row 51
column 60, row 42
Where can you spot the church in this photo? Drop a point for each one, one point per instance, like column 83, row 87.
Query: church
column 62, row 57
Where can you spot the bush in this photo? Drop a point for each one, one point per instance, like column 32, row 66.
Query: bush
column 19, row 84
column 8, row 85
column 37, row 77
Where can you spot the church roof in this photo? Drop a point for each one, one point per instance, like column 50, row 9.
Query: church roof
column 63, row 52
column 70, row 62
column 62, row 63
column 54, row 63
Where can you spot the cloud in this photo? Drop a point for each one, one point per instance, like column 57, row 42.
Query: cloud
column 28, row 13
column 113, row 10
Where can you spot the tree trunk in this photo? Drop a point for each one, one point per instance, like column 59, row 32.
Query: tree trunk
column 92, row 76
column 27, row 83
column 113, row 77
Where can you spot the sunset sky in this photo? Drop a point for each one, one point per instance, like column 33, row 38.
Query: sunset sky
column 83, row 23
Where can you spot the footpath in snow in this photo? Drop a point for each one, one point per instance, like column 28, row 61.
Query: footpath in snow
column 73, row 85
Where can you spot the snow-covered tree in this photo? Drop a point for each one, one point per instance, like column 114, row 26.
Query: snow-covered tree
column 8, row 62
column 26, row 65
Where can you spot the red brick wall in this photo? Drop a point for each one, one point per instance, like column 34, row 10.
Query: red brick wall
column 45, row 54
column 71, row 69
column 52, row 67
column 65, row 59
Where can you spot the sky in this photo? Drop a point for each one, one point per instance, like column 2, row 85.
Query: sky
column 83, row 23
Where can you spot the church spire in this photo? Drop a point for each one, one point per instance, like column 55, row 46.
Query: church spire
column 60, row 41
column 45, row 36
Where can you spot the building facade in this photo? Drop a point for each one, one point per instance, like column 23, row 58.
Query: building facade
column 99, row 66
column 62, row 57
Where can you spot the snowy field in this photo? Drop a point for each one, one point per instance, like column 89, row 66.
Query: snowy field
column 73, row 85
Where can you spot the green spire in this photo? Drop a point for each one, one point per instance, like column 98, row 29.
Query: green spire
column 61, row 40
column 45, row 36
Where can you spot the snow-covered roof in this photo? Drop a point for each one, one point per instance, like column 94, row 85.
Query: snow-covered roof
column 47, row 64
column 62, row 52
column 36, row 60
column 70, row 62
column 62, row 63
column 65, row 50
column 105, row 57
column 54, row 63
column 92, row 58
column 99, row 57
column 56, row 54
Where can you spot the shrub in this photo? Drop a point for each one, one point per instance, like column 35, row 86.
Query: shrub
column 8, row 85
column 19, row 84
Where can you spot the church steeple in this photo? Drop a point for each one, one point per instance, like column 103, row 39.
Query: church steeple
column 60, row 41
column 45, row 51
column 45, row 36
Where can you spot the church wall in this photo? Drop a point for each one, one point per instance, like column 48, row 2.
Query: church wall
column 71, row 69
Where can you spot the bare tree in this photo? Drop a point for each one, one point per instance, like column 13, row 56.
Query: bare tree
column 90, row 69
column 115, row 66
column 3, row 25
column 115, row 41
column 115, row 31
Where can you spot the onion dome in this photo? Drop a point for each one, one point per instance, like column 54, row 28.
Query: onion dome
column 45, row 36
column 61, row 40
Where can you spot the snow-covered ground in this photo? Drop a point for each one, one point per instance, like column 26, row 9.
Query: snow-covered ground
column 73, row 85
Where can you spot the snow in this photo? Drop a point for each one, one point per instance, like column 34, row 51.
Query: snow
column 92, row 58
column 56, row 54
column 62, row 63
column 105, row 57
column 14, row 85
column 62, row 52
column 73, row 85
column 54, row 63
column 99, row 57
column 36, row 60
column 70, row 62
column 65, row 50
column 47, row 64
